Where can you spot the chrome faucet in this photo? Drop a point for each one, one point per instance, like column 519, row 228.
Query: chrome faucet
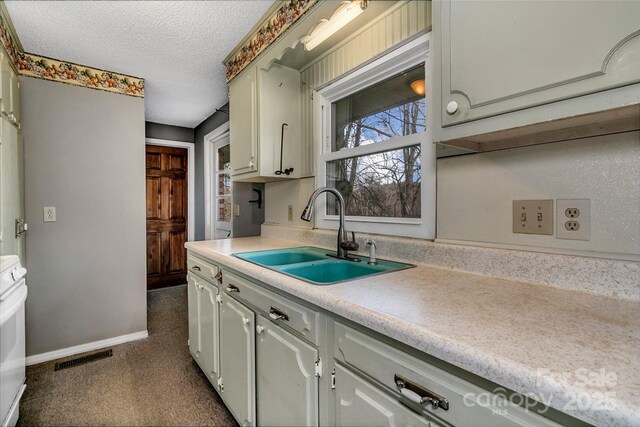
column 344, row 245
column 372, row 252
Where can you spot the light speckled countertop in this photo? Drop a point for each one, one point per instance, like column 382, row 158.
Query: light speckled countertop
column 518, row 335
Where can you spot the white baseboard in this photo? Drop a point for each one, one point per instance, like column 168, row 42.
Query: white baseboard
column 70, row 351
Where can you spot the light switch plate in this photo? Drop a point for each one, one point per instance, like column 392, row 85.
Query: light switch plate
column 573, row 219
column 533, row 217
column 49, row 214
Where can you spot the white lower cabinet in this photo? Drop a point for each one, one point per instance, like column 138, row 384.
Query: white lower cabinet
column 287, row 383
column 209, row 332
column 358, row 403
column 237, row 360
column 264, row 353
column 203, row 325
column 194, row 316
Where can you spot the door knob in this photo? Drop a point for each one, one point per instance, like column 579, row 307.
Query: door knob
column 259, row 329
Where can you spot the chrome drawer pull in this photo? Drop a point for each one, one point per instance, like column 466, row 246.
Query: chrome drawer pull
column 418, row 394
column 276, row 314
column 233, row 288
column 195, row 268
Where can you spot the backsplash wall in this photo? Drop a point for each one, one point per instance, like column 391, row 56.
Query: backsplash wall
column 475, row 192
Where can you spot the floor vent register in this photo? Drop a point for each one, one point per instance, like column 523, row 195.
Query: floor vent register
column 83, row 360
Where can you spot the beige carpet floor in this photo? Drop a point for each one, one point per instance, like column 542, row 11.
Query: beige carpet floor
column 149, row 382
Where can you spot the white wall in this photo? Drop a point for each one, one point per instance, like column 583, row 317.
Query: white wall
column 85, row 155
column 282, row 194
column 475, row 192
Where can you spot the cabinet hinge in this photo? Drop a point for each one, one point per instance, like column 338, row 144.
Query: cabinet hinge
column 319, row 368
column 220, row 385
column 219, row 299
column 188, row 342
column 312, row 96
column 333, row 379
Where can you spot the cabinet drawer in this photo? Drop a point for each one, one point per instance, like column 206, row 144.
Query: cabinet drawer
column 287, row 313
column 467, row 403
column 358, row 403
column 202, row 268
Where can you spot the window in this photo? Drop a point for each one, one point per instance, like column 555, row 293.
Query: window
column 376, row 147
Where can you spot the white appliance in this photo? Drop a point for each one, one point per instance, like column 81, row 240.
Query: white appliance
column 13, row 293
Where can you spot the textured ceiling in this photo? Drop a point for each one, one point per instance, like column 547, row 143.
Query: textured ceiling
column 176, row 46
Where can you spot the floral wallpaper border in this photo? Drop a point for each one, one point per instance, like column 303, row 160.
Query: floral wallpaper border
column 271, row 29
column 45, row 68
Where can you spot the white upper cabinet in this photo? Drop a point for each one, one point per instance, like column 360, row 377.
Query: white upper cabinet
column 9, row 91
column 533, row 58
column 265, row 109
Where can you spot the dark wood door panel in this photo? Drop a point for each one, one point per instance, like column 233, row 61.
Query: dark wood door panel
column 154, row 161
column 154, row 193
column 166, row 216
column 177, row 192
column 177, row 251
column 154, row 254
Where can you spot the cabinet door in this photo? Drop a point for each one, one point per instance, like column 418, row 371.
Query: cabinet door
column 243, row 122
column 15, row 97
column 280, row 103
column 209, row 331
column 237, row 360
column 193, row 292
column 5, row 77
column 498, row 57
column 12, row 189
column 287, row 386
column 358, row 403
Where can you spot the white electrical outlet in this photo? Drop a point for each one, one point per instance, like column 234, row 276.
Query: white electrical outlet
column 236, row 210
column 573, row 219
column 49, row 214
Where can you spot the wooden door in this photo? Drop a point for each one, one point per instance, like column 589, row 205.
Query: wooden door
column 166, row 216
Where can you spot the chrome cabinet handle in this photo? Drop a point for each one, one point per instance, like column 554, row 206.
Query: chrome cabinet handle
column 233, row 288
column 195, row 268
column 418, row 394
column 276, row 314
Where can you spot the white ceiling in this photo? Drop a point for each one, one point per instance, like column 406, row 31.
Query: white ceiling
column 176, row 46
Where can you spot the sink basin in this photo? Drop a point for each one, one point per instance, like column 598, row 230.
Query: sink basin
column 316, row 266
column 283, row 257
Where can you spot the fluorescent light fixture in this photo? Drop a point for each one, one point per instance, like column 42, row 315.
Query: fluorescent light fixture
column 344, row 14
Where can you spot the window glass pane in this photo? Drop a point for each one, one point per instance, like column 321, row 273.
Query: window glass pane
column 385, row 184
column 224, row 184
column 224, row 209
column 224, row 157
column 385, row 110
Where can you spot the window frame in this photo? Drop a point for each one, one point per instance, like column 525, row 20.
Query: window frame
column 401, row 58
